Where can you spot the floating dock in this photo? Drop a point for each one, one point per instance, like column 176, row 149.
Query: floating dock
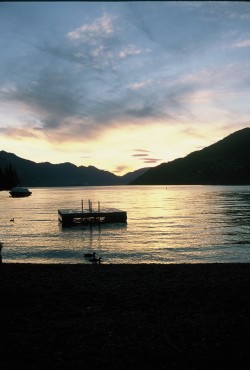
column 70, row 217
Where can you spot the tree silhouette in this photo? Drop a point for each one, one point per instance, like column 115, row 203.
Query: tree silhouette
column 8, row 178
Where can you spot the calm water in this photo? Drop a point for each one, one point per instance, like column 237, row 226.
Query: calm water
column 177, row 224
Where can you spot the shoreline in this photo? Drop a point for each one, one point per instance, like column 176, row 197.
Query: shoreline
column 176, row 316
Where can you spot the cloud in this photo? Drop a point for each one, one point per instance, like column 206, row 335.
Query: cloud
column 80, row 87
column 49, row 96
column 92, row 33
column 152, row 160
column 77, row 86
column 86, row 156
column 142, row 150
column 242, row 43
column 23, row 133
column 113, row 70
column 129, row 50
column 144, row 156
column 143, row 84
column 120, row 169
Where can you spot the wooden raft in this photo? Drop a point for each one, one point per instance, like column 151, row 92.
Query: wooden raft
column 69, row 217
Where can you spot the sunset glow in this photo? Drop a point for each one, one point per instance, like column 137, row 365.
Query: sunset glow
column 121, row 85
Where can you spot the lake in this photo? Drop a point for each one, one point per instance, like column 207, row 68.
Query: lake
column 166, row 224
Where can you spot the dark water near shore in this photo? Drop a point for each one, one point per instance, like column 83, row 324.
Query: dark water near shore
column 177, row 224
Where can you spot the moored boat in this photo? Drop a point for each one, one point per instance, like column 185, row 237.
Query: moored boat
column 20, row 192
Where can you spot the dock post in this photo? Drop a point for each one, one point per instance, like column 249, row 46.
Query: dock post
column 99, row 207
column 90, row 206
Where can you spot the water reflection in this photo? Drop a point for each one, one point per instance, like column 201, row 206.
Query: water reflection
column 235, row 208
column 174, row 225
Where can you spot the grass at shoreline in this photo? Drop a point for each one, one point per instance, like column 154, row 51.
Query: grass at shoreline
column 192, row 316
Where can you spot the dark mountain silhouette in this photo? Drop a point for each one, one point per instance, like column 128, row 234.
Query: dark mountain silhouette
column 64, row 174
column 226, row 162
column 131, row 176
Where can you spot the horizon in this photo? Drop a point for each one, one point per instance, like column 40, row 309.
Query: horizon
column 121, row 85
column 128, row 171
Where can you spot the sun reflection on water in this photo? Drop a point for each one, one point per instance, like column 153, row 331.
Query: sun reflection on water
column 177, row 224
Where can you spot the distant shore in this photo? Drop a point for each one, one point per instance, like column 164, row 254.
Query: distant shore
column 190, row 316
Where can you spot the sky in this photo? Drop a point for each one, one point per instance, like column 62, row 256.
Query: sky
column 121, row 85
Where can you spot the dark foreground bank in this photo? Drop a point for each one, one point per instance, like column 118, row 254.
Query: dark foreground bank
column 124, row 316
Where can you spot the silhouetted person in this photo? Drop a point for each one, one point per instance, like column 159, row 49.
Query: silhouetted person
column 1, row 247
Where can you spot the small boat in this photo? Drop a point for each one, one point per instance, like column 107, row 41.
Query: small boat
column 20, row 192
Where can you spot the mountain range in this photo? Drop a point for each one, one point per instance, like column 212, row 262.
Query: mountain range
column 225, row 162
column 45, row 174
